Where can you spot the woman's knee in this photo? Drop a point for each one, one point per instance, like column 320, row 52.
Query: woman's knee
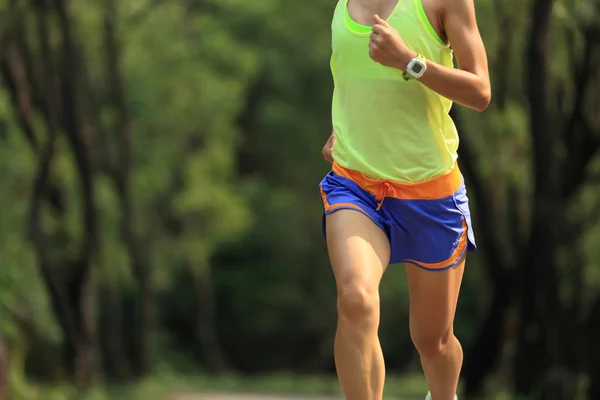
column 357, row 303
column 432, row 344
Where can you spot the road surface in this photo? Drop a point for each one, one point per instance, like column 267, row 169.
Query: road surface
column 245, row 397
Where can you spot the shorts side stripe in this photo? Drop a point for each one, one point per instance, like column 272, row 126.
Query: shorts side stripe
column 331, row 207
column 459, row 251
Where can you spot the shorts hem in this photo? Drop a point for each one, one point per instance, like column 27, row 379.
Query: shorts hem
column 440, row 269
column 357, row 209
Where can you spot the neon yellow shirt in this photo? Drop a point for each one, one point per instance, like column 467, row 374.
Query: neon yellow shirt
column 387, row 127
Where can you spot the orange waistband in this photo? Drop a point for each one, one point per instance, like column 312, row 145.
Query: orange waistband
column 436, row 188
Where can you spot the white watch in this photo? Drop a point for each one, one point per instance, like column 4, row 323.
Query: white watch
column 416, row 68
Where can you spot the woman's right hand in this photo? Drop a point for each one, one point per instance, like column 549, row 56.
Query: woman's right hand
column 328, row 148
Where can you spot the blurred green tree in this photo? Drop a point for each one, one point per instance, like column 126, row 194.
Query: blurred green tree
column 163, row 159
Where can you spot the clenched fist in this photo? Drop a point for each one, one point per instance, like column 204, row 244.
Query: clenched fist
column 387, row 47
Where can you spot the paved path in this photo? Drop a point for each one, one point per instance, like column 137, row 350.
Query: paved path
column 243, row 397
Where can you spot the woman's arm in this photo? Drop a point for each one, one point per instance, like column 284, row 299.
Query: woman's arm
column 470, row 84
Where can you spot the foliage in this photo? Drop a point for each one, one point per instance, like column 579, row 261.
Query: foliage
column 213, row 258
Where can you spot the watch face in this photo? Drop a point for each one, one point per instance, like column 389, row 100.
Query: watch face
column 417, row 68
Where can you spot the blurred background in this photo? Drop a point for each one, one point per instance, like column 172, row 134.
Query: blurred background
column 160, row 221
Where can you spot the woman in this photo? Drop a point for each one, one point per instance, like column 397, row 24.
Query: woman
column 395, row 193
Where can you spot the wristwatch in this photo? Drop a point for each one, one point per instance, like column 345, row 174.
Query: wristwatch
column 415, row 68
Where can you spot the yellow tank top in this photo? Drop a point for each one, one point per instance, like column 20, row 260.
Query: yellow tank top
column 387, row 127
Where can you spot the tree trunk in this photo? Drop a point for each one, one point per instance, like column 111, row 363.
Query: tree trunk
column 540, row 311
column 205, row 324
column 78, row 133
column 121, row 177
column 57, row 99
column 592, row 351
column 4, row 375
column 484, row 353
column 145, row 323
column 112, row 332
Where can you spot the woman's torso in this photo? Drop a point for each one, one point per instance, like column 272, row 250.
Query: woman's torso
column 386, row 127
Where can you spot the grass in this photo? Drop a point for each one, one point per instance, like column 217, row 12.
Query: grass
column 165, row 382
column 161, row 385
